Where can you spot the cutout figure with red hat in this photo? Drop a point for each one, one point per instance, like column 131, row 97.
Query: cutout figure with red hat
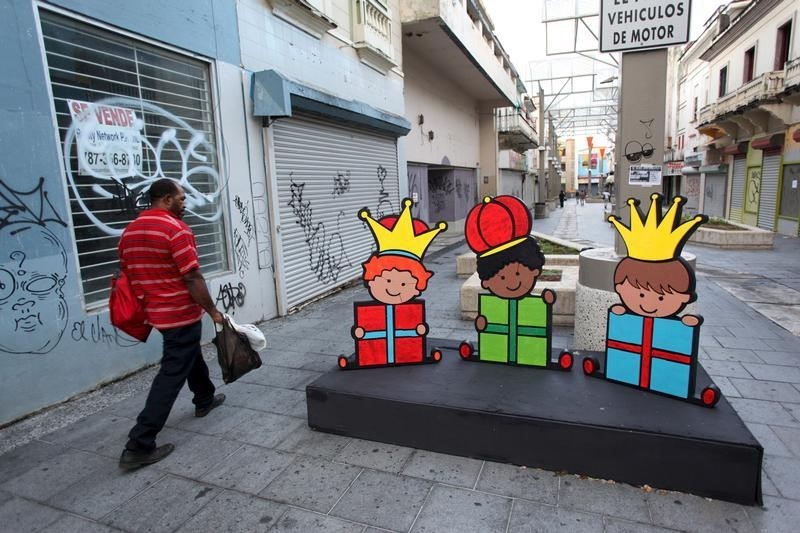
column 514, row 326
column 391, row 330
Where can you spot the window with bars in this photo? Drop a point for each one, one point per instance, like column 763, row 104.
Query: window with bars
column 130, row 113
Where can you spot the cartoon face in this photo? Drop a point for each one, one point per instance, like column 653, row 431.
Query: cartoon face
column 393, row 287
column 33, row 312
column 512, row 282
column 647, row 302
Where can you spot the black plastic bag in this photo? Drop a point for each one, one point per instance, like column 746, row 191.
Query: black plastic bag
column 236, row 356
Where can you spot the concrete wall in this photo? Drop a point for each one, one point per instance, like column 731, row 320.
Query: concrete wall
column 67, row 349
column 448, row 113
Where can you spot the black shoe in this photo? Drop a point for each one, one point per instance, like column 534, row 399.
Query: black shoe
column 131, row 459
column 216, row 402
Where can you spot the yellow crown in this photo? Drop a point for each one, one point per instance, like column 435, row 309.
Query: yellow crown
column 401, row 239
column 654, row 238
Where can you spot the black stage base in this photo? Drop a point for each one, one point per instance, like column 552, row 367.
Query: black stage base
column 562, row 421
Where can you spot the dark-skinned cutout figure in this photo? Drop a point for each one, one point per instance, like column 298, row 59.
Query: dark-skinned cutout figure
column 513, row 325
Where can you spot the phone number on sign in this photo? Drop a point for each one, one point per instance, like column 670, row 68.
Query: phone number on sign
column 96, row 160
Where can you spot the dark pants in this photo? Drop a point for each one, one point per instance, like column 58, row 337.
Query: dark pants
column 181, row 361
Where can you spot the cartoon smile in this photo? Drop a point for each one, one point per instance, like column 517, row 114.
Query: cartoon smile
column 647, row 311
column 512, row 289
column 392, row 294
column 28, row 323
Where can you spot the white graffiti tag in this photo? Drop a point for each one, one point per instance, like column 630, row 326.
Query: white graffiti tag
column 120, row 165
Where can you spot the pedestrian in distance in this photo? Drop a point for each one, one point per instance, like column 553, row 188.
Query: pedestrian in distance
column 583, row 196
column 561, row 197
column 158, row 253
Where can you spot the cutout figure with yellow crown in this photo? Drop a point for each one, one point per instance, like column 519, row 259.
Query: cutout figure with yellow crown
column 514, row 326
column 391, row 330
column 647, row 344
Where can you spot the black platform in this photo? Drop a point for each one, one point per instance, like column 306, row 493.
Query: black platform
column 549, row 419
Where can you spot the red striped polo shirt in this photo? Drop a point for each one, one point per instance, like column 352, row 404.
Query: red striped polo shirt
column 155, row 251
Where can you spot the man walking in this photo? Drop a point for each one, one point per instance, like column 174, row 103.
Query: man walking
column 561, row 197
column 158, row 253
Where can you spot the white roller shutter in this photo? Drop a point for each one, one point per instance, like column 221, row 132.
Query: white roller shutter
column 769, row 190
column 325, row 174
column 737, row 188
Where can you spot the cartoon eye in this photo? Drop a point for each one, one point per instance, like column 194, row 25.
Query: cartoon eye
column 41, row 284
column 517, row 274
column 660, row 298
column 403, row 284
column 641, row 295
column 502, row 278
column 6, row 284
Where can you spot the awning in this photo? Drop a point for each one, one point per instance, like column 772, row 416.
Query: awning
column 715, row 169
column 775, row 140
column 736, row 149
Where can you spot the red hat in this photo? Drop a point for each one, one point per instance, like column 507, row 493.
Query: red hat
column 497, row 224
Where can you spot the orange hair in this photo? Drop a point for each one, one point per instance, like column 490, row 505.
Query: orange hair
column 378, row 264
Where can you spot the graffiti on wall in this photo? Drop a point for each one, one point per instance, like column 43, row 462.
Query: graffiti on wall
column 326, row 251
column 261, row 215
column 242, row 252
column 92, row 330
column 440, row 188
column 117, row 172
column 385, row 206
column 229, row 297
column 33, row 271
column 341, row 183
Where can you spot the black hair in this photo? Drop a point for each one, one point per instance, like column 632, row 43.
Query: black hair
column 162, row 188
column 526, row 253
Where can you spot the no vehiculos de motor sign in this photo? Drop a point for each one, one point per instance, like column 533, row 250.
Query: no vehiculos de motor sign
column 629, row 25
column 108, row 137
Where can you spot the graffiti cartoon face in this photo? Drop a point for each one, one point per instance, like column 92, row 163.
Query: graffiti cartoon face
column 647, row 302
column 513, row 281
column 393, row 287
column 33, row 269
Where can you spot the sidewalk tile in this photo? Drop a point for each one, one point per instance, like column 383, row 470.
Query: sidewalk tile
column 299, row 410
column 218, row 422
column 529, row 516
column 763, row 412
column 164, row 507
column 307, row 361
column 787, row 374
column 232, row 512
column 768, row 439
column 104, row 490
column 615, row 525
column 311, row 483
column 731, row 354
column 726, row 369
column 249, row 469
column 455, row 509
column 519, row 482
column 693, row 513
column 389, row 501
column 790, row 437
column 264, row 429
column 794, row 410
column 74, row 524
column 766, row 390
column 607, row 498
column 281, row 376
column 25, row 457
column 778, row 515
column 726, row 387
column 443, row 468
column 102, row 433
column 375, row 455
column 784, row 473
column 300, row 521
column 306, row 441
column 768, row 488
column 263, row 398
column 786, row 344
column 51, row 476
column 197, row 455
column 747, row 343
column 18, row 515
column 779, row 358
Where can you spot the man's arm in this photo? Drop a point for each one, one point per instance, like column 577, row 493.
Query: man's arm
column 198, row 290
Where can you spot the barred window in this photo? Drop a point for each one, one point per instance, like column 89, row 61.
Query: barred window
column 130, row 113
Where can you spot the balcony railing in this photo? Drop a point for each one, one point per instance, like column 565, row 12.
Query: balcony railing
column 372, row 33
column 763, row 87
column 515, row 129
column 791, row 73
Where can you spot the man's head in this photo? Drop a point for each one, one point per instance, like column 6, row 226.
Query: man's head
column 167, row 194
column 512, row 273
column 654, row 289
column 395, row 279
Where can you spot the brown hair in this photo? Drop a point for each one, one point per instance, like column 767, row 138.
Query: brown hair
column 663, row 276
column 377, row 264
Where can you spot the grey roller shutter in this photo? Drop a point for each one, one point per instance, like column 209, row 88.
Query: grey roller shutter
column 325, row 174
column 769, row 190
column 737, row 188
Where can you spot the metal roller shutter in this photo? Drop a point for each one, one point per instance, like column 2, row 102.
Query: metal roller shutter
column 325, row 174
column 769, row 190
column 737, row 188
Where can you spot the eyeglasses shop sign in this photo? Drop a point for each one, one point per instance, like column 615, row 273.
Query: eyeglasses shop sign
column 629, row 25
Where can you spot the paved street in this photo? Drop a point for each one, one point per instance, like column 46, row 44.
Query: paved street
column 254, row 465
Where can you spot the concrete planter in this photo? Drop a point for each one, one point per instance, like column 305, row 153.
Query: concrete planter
column 746, row 238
